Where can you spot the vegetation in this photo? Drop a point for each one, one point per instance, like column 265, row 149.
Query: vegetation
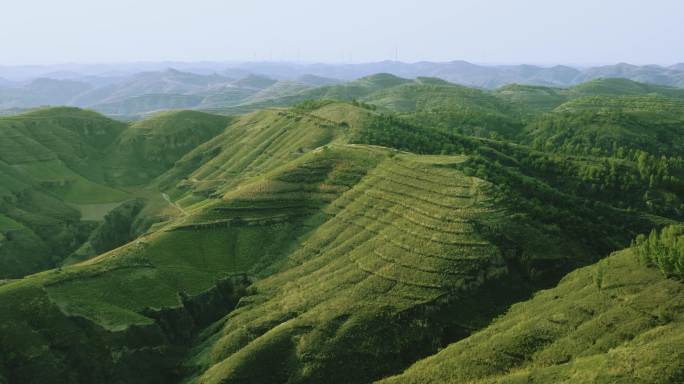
column 664, row 250
column 383, row 229
column 627, row 331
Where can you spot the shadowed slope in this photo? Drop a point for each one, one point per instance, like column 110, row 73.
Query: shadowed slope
column 125, row 304
column 150, row 147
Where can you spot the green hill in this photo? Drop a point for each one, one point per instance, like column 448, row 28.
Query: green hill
column 356, row 89
column 385, row 236
column 152, row 146
column 35, row 228
column 535, row 97
column 608, row 125
column 253, row 144
column 613, row 322
column 449, row 107
column 63, row 169
column 148, row 103
column 49, row 160
column 624, row 87
column 544, row 99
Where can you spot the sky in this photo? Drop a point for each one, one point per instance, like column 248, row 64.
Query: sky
column 495, row 31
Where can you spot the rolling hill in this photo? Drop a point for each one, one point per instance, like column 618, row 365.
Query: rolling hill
column 356, row 89
column 382, row 229
column 130, row 95
column 608, row 125
column 646, row 74
column 65, row 168
column 545, row 99
column 613, row 322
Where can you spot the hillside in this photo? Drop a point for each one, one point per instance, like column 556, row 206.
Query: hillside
column 607, row 125
column 134, row 91
column 356, row 89
column 64, row 169
column 35, row 227
column 254, row 144
column 150, row 147
column 544, row 99
column 340, row 212
column 613, row 322
column 342, row 241
column 646, row 74
column 49, row 166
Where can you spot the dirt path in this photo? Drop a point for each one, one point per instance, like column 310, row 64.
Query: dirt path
column 171, row 203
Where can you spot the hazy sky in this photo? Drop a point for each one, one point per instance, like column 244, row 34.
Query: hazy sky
column 494, row 31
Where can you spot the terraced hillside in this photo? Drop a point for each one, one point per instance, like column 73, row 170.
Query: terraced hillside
column 256, row 143
column 380, row 264
column 339, row 241
column 405, row 238
column 613, row 322
column 108, row 299
column 262, row 222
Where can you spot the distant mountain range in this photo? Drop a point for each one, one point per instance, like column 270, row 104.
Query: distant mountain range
column 130, row 91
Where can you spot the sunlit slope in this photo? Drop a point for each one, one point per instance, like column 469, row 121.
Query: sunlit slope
column 613, row 322
column 256, row 143
column 359, row 296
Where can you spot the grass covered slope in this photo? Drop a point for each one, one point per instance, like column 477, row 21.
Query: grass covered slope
column 151, row 146
column 36, row 229
column 257, row 143
column 397, row 246
column 613, row 322
column 62, row 169
column 140, row 301
column 62, row 149
column 331, row 241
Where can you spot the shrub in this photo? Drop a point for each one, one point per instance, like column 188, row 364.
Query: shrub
column 664, row 250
